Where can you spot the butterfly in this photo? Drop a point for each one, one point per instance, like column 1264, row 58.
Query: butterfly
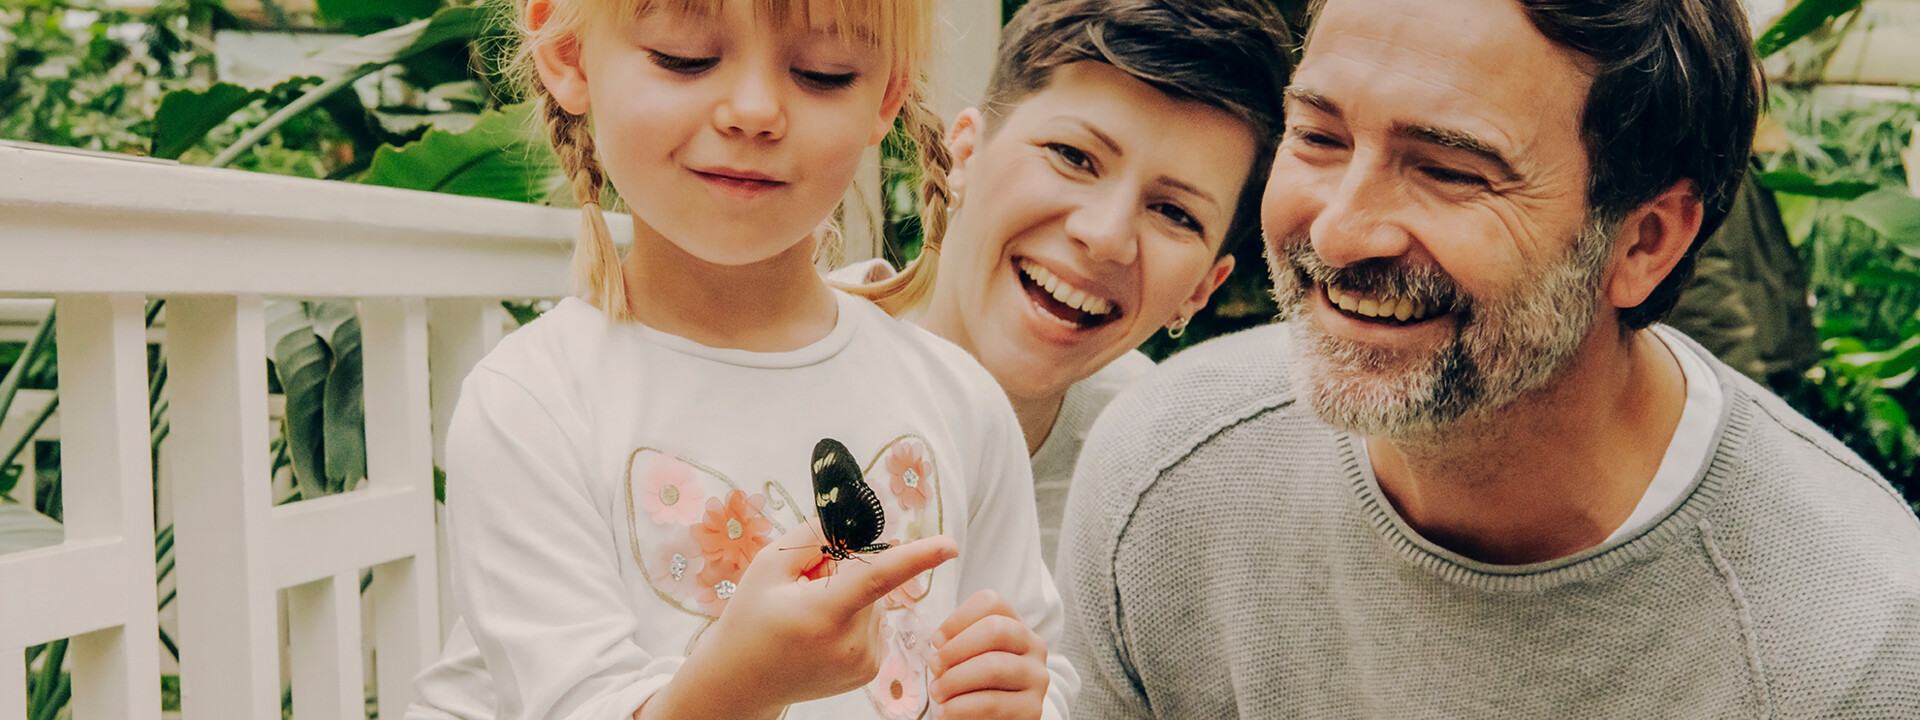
column 850, row 512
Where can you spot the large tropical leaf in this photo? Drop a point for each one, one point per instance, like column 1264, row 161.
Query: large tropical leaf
column 1800, row 183
column 346, row 412
column 498, row 158
column 1892, row 213
column 186, row 116
column 375, row 9
column 301, row 362
column 1805, row 17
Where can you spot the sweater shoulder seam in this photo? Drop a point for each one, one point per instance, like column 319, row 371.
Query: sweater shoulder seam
column 1749, row 635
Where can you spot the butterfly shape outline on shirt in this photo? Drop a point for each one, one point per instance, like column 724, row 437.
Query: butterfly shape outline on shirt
column 705, row 526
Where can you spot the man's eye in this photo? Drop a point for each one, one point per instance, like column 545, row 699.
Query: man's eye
column 1180, row 217
column 1454, row 177
column 825, row 81
column 682, row 65
column 1071, row 155
column 1314, row 139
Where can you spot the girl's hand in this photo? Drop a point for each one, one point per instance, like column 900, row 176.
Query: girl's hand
column 786, row 637
column 989, row 664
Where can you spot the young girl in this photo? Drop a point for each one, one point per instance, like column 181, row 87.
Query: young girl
column 631, row 476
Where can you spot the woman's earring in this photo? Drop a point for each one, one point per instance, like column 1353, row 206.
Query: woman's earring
column 1178, row 328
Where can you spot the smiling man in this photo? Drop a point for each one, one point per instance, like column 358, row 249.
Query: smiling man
column 1472, row 476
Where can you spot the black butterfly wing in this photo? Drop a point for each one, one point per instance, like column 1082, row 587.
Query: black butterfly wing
column 850, row 512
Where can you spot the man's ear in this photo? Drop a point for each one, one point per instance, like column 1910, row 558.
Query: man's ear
column 1211, row 281
column 1651, row 242
column 962, row 139
column 890, row 104
column 557, row 60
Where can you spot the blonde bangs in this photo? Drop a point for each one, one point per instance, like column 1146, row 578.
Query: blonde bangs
column 902, row 29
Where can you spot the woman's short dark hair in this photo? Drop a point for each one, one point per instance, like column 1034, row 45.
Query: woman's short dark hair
column 1233, row 55
column 1676, row 93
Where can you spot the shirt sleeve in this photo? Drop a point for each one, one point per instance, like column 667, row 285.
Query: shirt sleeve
column 1003, row 547
column 1088, row 534
column 535, row 569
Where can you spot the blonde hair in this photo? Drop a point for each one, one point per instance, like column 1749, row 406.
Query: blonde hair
column 901, row 28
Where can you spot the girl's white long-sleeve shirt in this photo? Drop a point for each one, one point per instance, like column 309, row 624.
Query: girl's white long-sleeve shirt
column 606, row 483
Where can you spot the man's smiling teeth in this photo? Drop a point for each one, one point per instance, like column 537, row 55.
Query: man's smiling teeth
column 1401, row 309
column 1068, row 295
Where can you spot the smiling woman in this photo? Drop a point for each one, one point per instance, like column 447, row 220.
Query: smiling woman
column 1100, row 190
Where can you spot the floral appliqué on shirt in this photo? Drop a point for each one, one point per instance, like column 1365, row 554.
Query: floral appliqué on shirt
column 704, row 529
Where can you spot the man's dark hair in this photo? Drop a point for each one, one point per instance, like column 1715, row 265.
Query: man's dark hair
column 1676, row 93
column 1229, row 54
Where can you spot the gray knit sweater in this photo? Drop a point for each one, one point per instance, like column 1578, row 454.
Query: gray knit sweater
column 1226, row 554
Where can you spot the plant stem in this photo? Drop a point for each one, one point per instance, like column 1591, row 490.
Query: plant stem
column 18, row 373
column 33, row 427
column 293, row 109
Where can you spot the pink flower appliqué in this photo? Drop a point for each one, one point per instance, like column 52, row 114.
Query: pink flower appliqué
column 675, row 566
column 671, row 495
column 898, row 692
column 911, row 473
column 717, row 585
column 734, row 530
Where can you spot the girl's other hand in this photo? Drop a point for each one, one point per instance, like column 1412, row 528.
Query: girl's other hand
column 789, row 636
column 989, row 663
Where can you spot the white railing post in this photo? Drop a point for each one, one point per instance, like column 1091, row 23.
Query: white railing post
column 229, row 642
column 459, row 333
column 13, row 683
column 323, row 625
column 108, row 494
column 400, row 458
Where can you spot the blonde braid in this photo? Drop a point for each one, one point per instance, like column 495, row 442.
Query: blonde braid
column 597, row 276
column 911, row 287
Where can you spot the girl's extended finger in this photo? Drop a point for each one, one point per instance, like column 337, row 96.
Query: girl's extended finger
column 982, row 604
column 992, row 672
column 861, row 584
column 993, row 633
column 788, row 558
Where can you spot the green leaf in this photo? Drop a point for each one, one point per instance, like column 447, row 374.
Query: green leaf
column 498, row 158
column 301, row 362
column 186, row 116
column 439, row 485
column 346, row 412
column 1892, row 213
column 1887, row 277
column 1799, row 183
column 375, row 9
column 1805, row 17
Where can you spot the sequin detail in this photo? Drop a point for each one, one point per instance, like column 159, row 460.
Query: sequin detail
column 724, row 589
column 911, row 478
column 679, row 566
column 734, row 529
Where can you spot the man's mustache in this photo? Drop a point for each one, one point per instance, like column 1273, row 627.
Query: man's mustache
column 1375, row 277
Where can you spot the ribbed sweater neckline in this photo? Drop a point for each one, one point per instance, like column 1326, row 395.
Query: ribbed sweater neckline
column 1735, row 424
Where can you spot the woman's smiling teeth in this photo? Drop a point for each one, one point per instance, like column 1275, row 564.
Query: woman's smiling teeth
column 1402, row 309
column 1085, row 308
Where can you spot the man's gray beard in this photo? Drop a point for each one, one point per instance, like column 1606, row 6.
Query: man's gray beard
column 1502, row 348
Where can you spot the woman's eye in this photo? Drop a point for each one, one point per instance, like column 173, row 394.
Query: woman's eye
column 1454, row 177
column 682, row 65
column 1071, row 155
column 826, row 81
column 1180, row 217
